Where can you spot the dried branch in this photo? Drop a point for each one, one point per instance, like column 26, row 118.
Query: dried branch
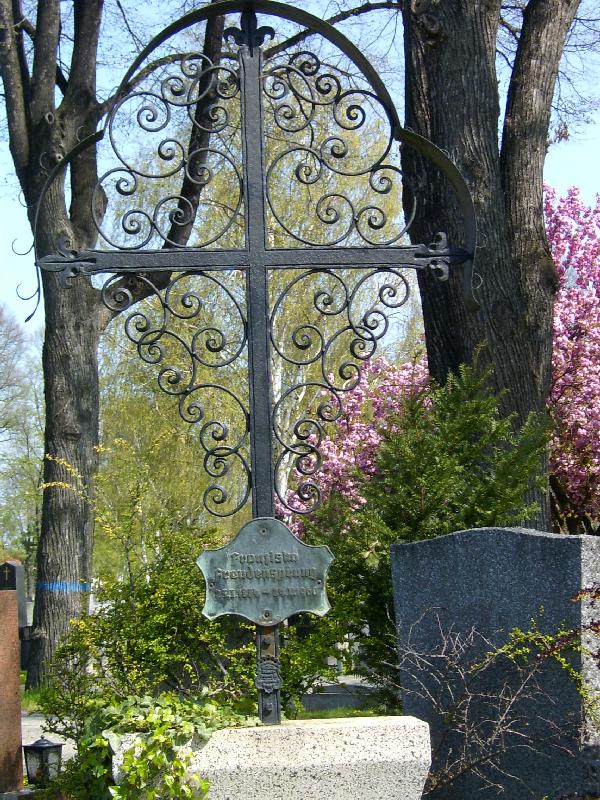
column 488, row 704
column 134, row 37
column 365, row 8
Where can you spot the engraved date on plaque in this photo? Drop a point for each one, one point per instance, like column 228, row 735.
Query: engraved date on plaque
column 265, row 574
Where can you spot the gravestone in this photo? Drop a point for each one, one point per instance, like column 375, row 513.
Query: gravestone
column 260, row 384
column 478, row 585
column 371, row 758
column 298, row 302
column 11, row 763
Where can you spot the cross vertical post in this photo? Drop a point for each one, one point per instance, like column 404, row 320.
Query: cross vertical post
column 259, row 377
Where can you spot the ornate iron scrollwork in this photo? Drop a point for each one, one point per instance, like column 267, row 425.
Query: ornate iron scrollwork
column 331, row 142
column 257, row 206
column 321, row 358
column 194, row 333
column 141, row 199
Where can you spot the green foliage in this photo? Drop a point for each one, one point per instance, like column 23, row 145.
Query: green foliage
column 533, row 646
column 448, row 461
column 304, row 654
column 157, row 753
column 148, row 634
column 343, row 712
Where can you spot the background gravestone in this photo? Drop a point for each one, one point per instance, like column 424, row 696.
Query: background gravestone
column 489, row 581
column 11, row 764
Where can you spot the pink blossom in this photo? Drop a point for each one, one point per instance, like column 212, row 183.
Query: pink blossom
column 574, row 402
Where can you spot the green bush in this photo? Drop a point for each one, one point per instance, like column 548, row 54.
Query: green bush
column 148, row 635
column 155, row 765
column 448, row 461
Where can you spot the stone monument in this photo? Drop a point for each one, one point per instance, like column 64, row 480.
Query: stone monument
column 11, row 759
column 469, row 590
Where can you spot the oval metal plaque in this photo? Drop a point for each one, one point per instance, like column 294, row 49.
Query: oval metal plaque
column 265, row 574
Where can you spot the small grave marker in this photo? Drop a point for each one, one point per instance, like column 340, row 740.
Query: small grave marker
column 266, row 575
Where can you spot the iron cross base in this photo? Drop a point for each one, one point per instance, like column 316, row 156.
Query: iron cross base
column 268, row 674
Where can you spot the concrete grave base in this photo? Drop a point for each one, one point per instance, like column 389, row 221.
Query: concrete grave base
column 368, row 758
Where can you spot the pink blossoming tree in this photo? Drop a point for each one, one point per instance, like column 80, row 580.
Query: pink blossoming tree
column 574, row 402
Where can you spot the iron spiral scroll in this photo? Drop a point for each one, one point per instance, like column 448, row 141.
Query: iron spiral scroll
column 268, row 174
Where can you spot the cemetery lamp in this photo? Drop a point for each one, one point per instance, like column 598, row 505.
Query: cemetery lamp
column 42, row 761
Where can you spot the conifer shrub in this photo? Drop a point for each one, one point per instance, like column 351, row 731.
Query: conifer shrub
column 445, row 459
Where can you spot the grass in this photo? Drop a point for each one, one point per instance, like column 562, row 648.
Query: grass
column 30, row 700
column 345, row 711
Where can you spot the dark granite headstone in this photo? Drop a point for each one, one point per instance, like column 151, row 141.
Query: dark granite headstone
column 481, row 584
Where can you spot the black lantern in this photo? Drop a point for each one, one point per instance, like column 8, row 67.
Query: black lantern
column 42, row 761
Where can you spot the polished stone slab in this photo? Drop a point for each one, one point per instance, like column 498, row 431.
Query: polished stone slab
column 489, row 581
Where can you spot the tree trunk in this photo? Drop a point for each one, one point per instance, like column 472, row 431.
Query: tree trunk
column 71, row 438
column 452, row 98
column 75, row 318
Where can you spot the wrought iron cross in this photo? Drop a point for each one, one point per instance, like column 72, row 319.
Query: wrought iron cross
column 279, row 131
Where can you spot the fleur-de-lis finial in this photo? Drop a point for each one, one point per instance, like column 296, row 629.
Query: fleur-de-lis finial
column 249, row 33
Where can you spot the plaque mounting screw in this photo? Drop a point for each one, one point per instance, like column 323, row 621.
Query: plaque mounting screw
column 266, row 613
column 264, row 531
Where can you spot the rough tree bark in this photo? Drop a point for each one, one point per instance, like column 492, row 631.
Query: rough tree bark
column 40, row 133
column 452, row 98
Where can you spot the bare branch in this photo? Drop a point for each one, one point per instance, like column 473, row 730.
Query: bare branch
column 365, row 8
column 44, row 60
column 14, row 90
column 511, row 29
column 19, row 19
column 134, row 37
column 81, row 88
column 489, row 703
